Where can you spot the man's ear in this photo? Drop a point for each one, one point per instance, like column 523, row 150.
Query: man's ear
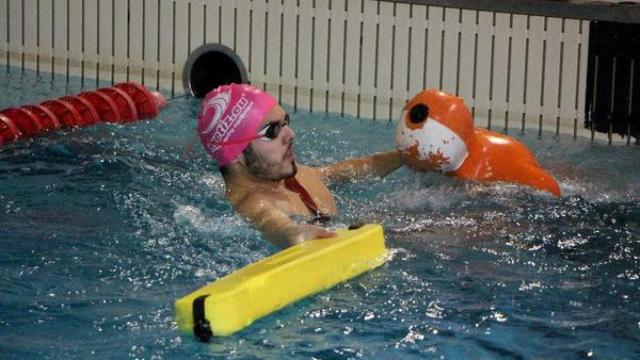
column 234, row 166
column 240, row 160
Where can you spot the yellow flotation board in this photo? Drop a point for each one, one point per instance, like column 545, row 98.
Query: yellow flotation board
column 233, row 302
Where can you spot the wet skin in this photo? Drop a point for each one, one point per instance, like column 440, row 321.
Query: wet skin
column 255, row 183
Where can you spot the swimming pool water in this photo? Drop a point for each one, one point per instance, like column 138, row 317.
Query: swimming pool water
column 102, row 228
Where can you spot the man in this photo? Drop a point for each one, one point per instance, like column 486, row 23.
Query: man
column 248, row 134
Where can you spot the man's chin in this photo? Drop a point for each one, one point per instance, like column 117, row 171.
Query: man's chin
column 292, row 172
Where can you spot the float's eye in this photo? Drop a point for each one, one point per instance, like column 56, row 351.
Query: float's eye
column 419, row 113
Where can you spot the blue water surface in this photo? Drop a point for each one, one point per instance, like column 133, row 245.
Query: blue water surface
column 102, row 228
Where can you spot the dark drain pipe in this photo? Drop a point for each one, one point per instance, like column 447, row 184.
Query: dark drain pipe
column 210, row 66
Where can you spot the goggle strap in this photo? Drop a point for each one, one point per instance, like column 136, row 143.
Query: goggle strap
column 236, row 142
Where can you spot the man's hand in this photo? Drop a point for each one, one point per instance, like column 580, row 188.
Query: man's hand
column 300, row 233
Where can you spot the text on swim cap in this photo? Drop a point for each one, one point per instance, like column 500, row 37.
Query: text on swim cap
column 231, row 121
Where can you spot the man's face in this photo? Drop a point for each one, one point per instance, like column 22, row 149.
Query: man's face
column 272, row 159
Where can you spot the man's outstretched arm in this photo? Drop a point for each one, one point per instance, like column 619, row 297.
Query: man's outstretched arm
column 380, row 164
column 275, row 225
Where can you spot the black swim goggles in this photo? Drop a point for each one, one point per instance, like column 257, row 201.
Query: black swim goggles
column 272, row 130
column 268, row 133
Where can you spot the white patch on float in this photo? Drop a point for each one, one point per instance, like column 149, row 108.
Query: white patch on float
column 433, row 140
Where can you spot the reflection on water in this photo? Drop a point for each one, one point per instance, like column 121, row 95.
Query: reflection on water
column 103, row 228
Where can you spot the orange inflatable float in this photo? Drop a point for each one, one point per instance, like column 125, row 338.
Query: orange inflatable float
column 436, row 133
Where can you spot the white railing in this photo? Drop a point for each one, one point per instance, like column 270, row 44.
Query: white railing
column 359, row 57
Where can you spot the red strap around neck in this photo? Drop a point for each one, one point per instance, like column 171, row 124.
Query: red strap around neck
column 294, row 185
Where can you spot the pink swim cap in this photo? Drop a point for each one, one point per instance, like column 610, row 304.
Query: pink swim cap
column 229, row 119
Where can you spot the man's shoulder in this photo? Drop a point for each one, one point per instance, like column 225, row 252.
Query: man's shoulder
column 255, row 197
column 308, row 171
column 305, row 169
column 253, row 201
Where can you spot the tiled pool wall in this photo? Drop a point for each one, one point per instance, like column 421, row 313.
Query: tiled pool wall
column 358, row 57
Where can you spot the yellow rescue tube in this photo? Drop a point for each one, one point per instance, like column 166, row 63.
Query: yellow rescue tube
column 233, row 302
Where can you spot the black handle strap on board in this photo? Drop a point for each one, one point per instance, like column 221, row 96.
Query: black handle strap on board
column 201, row 326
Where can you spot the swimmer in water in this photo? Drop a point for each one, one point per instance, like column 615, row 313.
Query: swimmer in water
column 248, row 134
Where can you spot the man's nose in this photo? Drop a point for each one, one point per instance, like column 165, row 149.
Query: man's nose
column 288, row 135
